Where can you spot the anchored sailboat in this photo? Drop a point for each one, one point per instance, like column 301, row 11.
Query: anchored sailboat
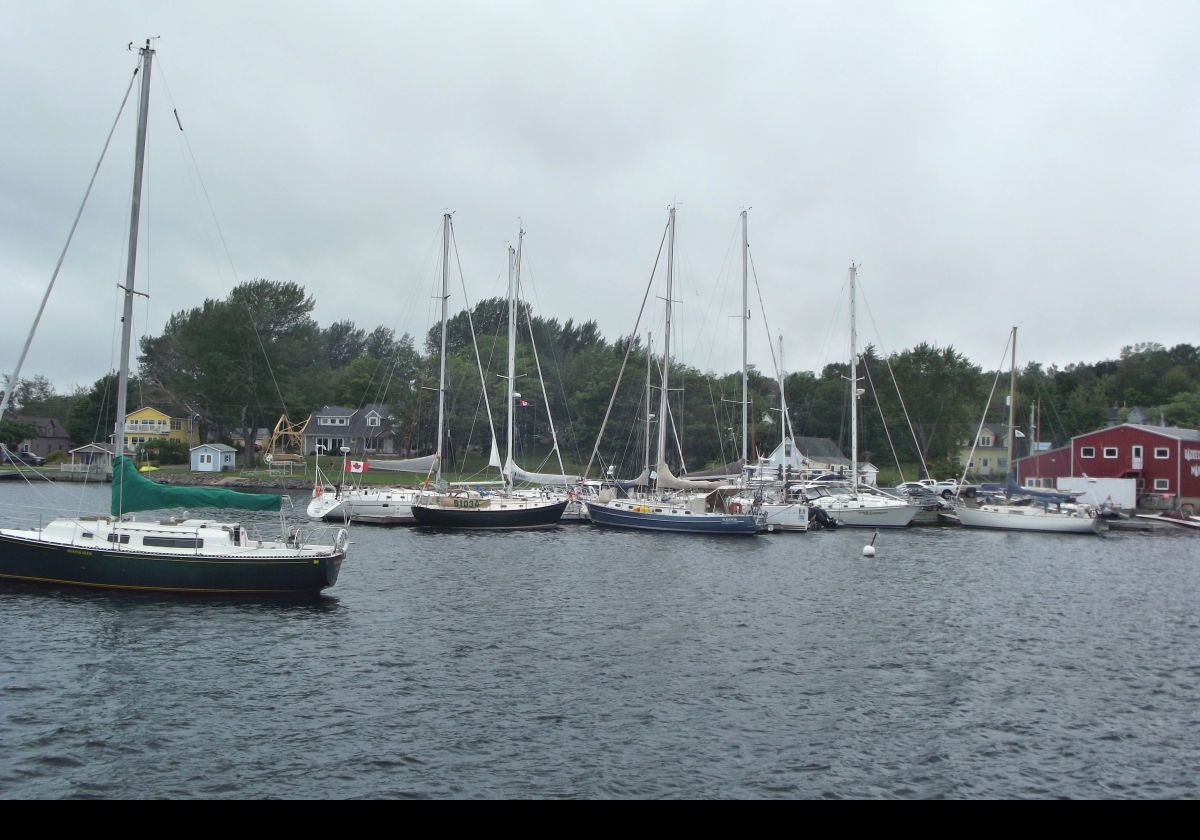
column 176, row 555
column 1041, row 510
column 715, row 512
column 507, row 509
column 392, row 505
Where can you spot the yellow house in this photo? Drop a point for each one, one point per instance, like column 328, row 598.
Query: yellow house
column 149, row 425
column 991, row 452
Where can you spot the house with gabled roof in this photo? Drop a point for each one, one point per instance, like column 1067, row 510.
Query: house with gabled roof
column 51, row 436
column 364, row 431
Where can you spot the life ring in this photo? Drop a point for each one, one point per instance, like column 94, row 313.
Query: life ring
column 735, row 507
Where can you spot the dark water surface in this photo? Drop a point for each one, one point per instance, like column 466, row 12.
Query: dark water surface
column 587, row 663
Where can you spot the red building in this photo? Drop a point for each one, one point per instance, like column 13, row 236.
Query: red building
column 1165, row 462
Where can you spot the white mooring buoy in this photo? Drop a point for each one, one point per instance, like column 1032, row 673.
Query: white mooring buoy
column 869, row 549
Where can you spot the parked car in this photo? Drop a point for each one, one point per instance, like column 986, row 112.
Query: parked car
column 948, row 488
column 28, row 459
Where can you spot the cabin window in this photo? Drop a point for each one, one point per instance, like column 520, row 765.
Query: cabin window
column 123, row 539
column 1110, row 452
column 1162, row 484
column 1087, row 452
column 1162, row 453
column 172, row 542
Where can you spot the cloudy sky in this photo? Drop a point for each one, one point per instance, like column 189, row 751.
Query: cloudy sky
column 987, row 164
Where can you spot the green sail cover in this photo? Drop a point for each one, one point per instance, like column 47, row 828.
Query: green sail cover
column 132, row 491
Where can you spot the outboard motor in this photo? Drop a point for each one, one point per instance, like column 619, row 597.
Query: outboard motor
column 817, row 517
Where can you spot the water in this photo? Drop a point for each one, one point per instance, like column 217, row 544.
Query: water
column 586, row 663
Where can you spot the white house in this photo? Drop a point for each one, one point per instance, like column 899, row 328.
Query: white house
column 212, row 457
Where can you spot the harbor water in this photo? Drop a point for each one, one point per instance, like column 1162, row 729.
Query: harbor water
column 583, row 663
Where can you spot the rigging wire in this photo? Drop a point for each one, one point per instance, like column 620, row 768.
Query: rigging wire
column 628, row 350
column 899, row 396
column 15, row 378
column 224, row 244
column 982, row 420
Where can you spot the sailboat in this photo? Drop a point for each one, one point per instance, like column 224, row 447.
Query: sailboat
column 174, row 555
column 391, row 505
column 505, row 510
column 1040, row 510
column 853, row 506
column 714, row 512
column 781, row 511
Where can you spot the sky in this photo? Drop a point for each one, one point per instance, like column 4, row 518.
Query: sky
column 986, row 164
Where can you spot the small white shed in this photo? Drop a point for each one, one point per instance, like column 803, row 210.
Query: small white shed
column 212, row 457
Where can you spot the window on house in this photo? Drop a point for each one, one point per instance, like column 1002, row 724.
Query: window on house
column 1087, row 452
column 1110, row 452
column 985, row 463
column 985, row 440
column 1136, row 452
column 1002, row 463
column 1162, row 453
column 373, row 420
column 1162, row 484
column 176, row 425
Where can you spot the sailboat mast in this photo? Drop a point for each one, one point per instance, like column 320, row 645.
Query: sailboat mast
column 512, row 359
column 666, row 365
column 853, row 383
column 782, row 401
column 649, row 351
column 139, row 162
column 745, row 324
column 1012, row 401
column 441, row 430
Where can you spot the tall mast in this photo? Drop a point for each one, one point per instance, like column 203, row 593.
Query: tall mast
column 649, row 350
column 782, row 402
column 745, row 323
column 442, row 372
column 1012, row 401
column 139, row 162
column 666, row 366
column 853, row 384
column 512, row 357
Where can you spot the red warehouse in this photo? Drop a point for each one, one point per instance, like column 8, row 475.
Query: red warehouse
column 1165, row 461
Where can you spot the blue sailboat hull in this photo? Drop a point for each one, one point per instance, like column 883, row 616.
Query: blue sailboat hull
column 644, row 518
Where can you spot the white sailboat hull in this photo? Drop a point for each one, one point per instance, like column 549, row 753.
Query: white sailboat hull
column 1027, row 518
column 391, row 506
column 866, row 512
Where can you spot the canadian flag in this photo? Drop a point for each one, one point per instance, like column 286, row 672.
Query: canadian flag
column 357, row 466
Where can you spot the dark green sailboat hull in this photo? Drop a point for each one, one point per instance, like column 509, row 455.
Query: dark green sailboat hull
column 44, row 562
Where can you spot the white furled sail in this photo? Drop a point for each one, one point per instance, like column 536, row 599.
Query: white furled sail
column 515, row 474
column 424, row 464
column 669, row 481
column 494, row 457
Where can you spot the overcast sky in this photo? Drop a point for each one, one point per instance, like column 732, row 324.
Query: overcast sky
column 987, row 164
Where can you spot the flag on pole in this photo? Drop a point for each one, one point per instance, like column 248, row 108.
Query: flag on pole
column 357, row 466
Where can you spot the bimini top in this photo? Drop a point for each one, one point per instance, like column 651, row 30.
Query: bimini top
column 132, row 491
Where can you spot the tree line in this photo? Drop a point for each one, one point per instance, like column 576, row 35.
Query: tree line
column 240, row 362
